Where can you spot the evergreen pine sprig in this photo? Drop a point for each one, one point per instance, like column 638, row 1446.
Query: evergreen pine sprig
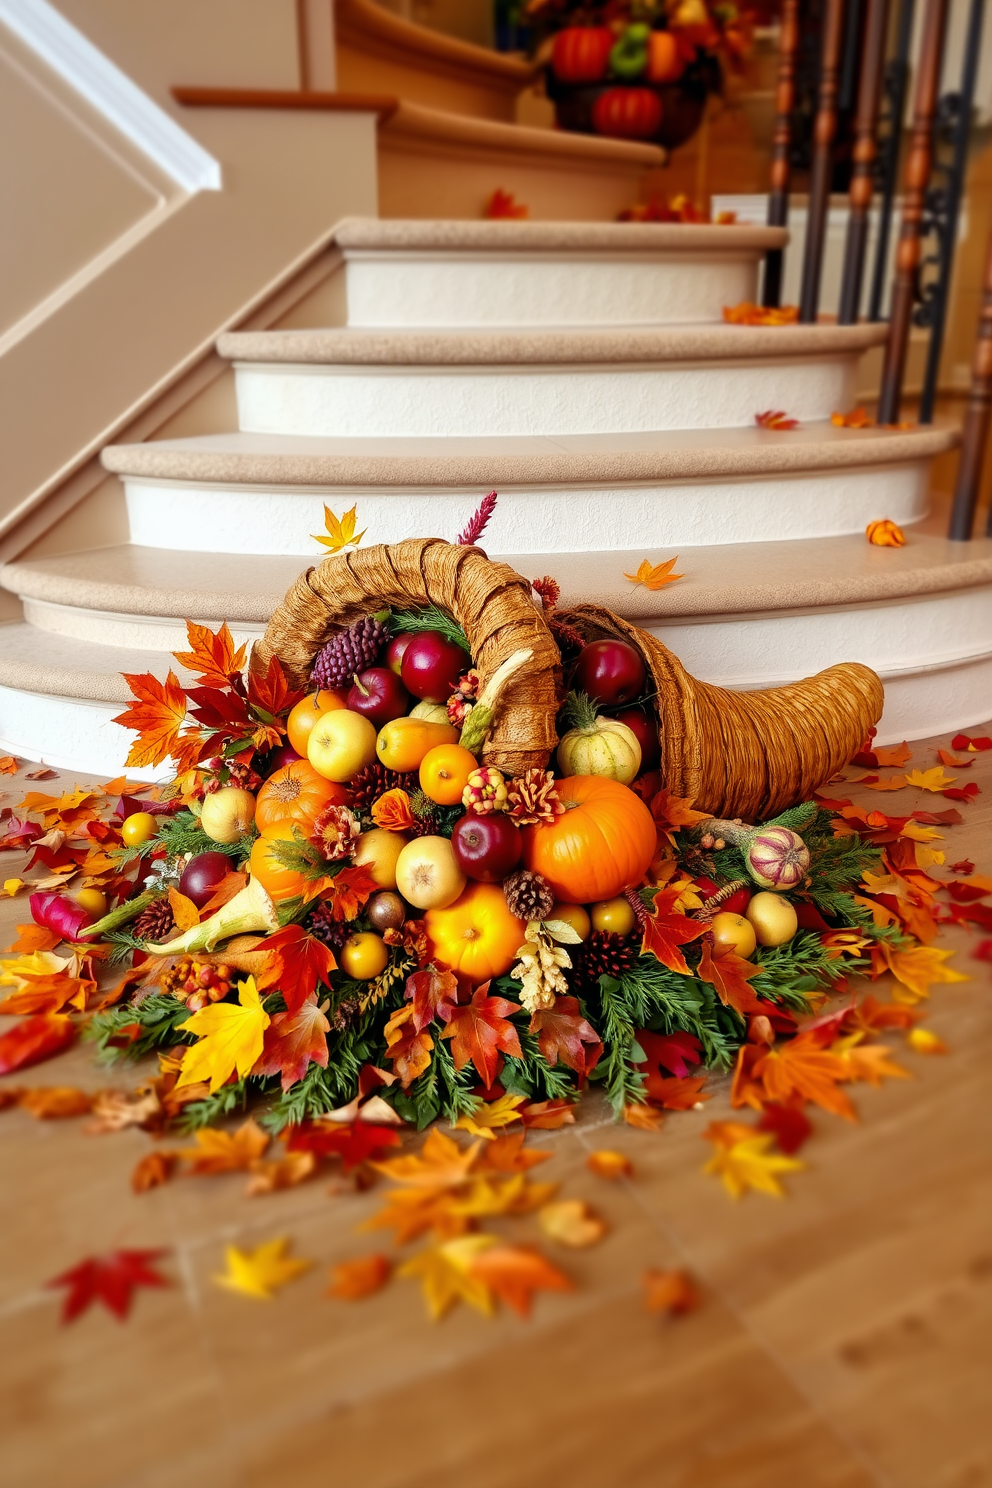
column 158, row 1016
column 431, row 617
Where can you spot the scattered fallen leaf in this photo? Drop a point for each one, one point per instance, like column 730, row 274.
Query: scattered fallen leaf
column 8, row 764
column 35, row 1039
column 226, row 1152
column 571, row 1222
column 440, row 1163
column 56, row 1102
column 916, row 968
column 354, row 1142
column 789, row 1125
column 610, row 1165
column 924, row 1041
column 643, row 1117
column 262, row 1271
column 515, row 1272
column 973, row 745
column 280, row 1173
column 504, row 204
column 110, row 1279
column 154, row 1169
column 885, row 534
column 507, row 1154
column 549, row 1115
column 446, row 1274
column 855, row 419
column 670, row 1292
column 654, row 576
column 803, row 1068
column 748, row 313
column 871, row 1063
column 489, row 1115
column 340, row 531
column 748, row 1164
column 775, row 418
column 12, row 886
column 352, row 1280
column 935, row 780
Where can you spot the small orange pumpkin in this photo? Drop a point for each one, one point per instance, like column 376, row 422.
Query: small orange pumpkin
column 602, row 844
column 279, row 881
column 296, row 793
column 476, row 937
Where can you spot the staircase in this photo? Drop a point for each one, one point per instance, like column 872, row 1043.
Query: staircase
column 585, row 372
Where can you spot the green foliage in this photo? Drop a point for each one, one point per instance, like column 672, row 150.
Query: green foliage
column 429, row 618
column 182, row 834
column 124, row 945
column 790, row 972
column 533, row 1076
column 213, row 1108
column 158, row 1016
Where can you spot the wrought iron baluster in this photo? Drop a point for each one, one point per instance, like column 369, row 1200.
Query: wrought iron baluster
column 977, row 419
column 869, row 88
column 894, row 84
column 942, row 207
column 824, row 131
column 917, row 180
column 778, row 196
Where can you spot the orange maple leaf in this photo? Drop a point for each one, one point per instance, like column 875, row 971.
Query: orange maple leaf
column 211, row 656
column 351, row 1280
column 885, row 534
column 503, row 204
column 348, row 892
column 665, row 932
column 156, row 716
column 748, row 313
column 269, row 692
column 673, row 1292
column 729, row 975
column 408, row 1048
column 480, row 1030
column 802, row 1067
column 297, row 963
column 655, row 576
column 855, row 419
column 515, row 1272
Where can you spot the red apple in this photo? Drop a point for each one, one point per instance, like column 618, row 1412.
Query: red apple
column 738, row 902
column 380, row 695
column 486, row 847
column 645, row 729
column 611, row 672
column 395, row 650
column 432, row 665
column 280, row 758
column 202, row 874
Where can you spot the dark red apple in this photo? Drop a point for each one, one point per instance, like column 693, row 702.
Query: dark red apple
column 202, row 874
column 280, row 758
column 611, row 672
column 395, row 650
column 432, row 665
column 486, row 847
column 738, row 902
column 380, row 695
column 645, row 728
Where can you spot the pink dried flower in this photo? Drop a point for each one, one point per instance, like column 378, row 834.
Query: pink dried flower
column 478, row 522
column 336, row 832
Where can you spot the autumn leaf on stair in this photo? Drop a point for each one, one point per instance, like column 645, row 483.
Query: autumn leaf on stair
column 665, row 932
column 110, row 1279
column 8, row 764
column 156, row 716
column 229, row 1039
column 489, row 1115
column 440, row 1163
column 775, row 418
column 803, row 1068
column 446, row 1275
column 748, row 1164
column 655, row 576
column 550, row 1115
column 353, row 1280
column 857, row 418
column 936, row 780
column 972, row 744
column 355, row 1142
column 610, row 1165
column 55, row 1102
column 515, row 1272
column 292, row 1040
column 480, row 1030
column 748, row 313
column 225, row 1152
column 260, row 1272
column 565, row 1037
column 340, row 531
column 35, row 1039
column 152, row 1170
column 729, row 975
column 885, row 534
column 915, row 969
column 670, row 1292
column 508, row 1154
column 643, row 1117
column 212, row 656
column 504, row 204
column 571, row 1222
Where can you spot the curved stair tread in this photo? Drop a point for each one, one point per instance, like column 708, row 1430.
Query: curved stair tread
column 678, row 343
column 415, row 121
column 454, row 235
column 362, row 21
column 303, row 461
column 37, row 661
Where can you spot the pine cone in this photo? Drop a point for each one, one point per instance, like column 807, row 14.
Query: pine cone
column 322, row 924
column 157, row 922
column 349, row 652
column 346, row 1014
column 532, row 798
column 528, row 895
column 602, row 954
column 372, row 782
column 424, row 814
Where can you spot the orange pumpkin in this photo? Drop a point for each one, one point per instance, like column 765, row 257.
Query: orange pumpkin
column 602, row 844
column 296, row 793
column 279, row 881
column 305, row 714
column 477, row 937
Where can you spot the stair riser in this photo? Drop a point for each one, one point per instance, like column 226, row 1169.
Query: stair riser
column 69, row 734
column 136, row 632
column 540, row 519
column 392, row 290
column 383, row 402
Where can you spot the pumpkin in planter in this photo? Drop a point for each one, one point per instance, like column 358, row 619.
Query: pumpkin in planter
column 581, row 54
column 476, row 937
column 602, row 844
column 597, row 746
column 296, row 794
column 666, row 58
column 627, row 113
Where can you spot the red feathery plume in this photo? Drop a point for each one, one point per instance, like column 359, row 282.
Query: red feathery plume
column 478, row 523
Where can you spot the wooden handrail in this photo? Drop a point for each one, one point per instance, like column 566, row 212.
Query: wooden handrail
column 384, row 105
column 778, row 197
column 977, row 419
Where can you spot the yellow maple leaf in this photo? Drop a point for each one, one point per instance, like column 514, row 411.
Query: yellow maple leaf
column 16, row 970
column 571, row 1222
column 12, row 886
column 230, row 1038
column 656, row 576
column 446, row 1277
column 925, row 1041
column 226, row 1152
column 489, row 1115
column 609, row 1165
column 748, row 1164
column 916, row 968
column 340, row 531
column 932, row 780
column 868, row 1062
column 262, row 1271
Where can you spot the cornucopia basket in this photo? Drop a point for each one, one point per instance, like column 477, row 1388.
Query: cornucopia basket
column 737, row 754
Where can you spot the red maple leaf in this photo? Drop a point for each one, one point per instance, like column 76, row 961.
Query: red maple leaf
column 292, row 1040
column 299, row 964
column 961, row 741
column 212, row 656
column 434, row 995
column 775, row 418
column 354, row 1142
column 664, row 932
column 675, row 1052
column 35, row 1039
column 269, row 691
column 348, row 892
column 109, row 1279
column 962, row 793
column 156, row 716
column 789, row 1125
column 729, row 975
column 564, row 1036
column 675, row 1095
column 222, row 710
column 479, row 1031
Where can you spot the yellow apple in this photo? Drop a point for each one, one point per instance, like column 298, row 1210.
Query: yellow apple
column 613, row 917
column 427, row 875
column 574, row 915
column 378, row 851
column 732, row 932
column 340, row 744
column 774, row 919
column 227, row 814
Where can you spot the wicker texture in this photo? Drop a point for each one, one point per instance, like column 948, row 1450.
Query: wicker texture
column 491, row 603
column 746, row 754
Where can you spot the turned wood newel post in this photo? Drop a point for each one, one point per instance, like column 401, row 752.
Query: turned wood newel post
column 778, row 196
column 918, row 169
column 978, row 416
column 865, row 150
column 823, row 139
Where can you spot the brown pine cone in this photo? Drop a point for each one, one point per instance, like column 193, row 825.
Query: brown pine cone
column 156, row 922
column 528, row 895
column 602, row 954
column 372, row 782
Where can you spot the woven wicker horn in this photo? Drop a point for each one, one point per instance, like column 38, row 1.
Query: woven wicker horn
column 491, row 603
column 746, row 754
